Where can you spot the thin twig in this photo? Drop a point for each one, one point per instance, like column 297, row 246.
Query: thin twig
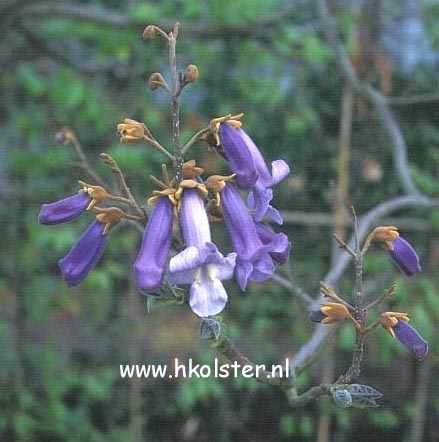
column 195, row 138
column 122, row 183
column 83, row 162
column 228, row 348
column 370, row 94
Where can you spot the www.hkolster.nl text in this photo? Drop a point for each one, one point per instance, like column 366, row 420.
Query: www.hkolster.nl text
column 193, row 370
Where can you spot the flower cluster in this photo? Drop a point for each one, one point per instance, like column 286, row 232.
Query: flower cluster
column 87, row 251
column 256, row 247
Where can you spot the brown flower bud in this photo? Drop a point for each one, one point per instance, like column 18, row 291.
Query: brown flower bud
column 334, row 312
column 131, row 130
column 149, row 32
column 191, row 170
column 389, row 319
column 110, row 217
column 191, row 74
column 156, row 80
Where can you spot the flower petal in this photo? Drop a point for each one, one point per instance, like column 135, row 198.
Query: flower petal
column 149, row 267
column 207, row 297
column 279, row 171
column 64, row 210
column 405, row 256
column 279, row 245
column 84, row 255
column 238, row 156
column 411, row 338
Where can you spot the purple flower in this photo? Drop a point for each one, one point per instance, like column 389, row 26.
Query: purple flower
column 405, row 256
column 261, row 194
column 200, row 264
column 247, row 162
column 150, row 264
column 64, row 210
column 238, row 156
column 253, row 261
column 84, row 255
column 410, row 337
column 278, row 242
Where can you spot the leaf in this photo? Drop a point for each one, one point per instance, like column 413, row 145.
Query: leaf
column 209, row 329
column 360, row 390
column 342, row 398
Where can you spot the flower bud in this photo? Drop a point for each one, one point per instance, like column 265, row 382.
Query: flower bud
column 156, row 80
column 131, row 130
column 64, row 136
column 149, row 32
column 191, row 74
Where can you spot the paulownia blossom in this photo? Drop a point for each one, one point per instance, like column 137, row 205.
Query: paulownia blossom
column 64, row 210
column 238, row 147
column 200, row 264
column 73, row 206
column 150, row 264
column 253, row 261
column 396, row 324
column 84, row 255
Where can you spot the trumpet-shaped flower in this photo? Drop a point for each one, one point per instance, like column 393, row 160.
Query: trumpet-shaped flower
column 64, row 210
column 279, row 244
column 253, row 261
column 238, row 156
column 150, row 264
column 405, row 256
column 247, row 162
column 84, row 255
column 200, row 264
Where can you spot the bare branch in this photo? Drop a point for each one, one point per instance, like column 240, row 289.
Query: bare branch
column 413, row 99
column 228, row 348
column 372, row 95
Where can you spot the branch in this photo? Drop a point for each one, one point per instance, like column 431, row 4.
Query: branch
column 322, row 333
column 413, row 99
column 228, row 349
column 371, row 95
column 313, row 393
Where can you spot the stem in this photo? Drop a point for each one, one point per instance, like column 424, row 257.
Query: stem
column 195, row 138
column 178, row 157
column 84, row 164
column 159, row 147
column 122, row 184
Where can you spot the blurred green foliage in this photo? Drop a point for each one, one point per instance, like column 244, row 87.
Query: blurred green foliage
column 61, row 348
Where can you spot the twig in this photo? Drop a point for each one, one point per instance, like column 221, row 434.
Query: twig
column 122, row 183
column 344, row 245
column 228, row 348
column 294, row 289
column 372, row 95
column 413, row 99
column 313, row 393
column 83, row 162
column 195, row 138
column 159, row 147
